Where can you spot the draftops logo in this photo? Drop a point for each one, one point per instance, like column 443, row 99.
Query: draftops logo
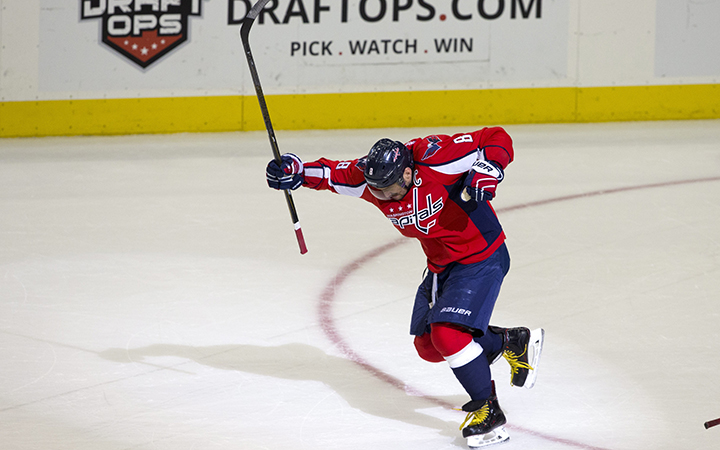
column 142, row 30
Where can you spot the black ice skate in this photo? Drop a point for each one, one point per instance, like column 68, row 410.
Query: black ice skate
column 517, row 344
column 483, row 425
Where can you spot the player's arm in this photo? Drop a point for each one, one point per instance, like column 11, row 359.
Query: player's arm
column 342, row 177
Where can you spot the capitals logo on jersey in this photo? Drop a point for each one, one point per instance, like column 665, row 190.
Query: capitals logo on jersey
column 416, row 215
column 143, row 31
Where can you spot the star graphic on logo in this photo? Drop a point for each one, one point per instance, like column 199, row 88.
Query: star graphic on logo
column 392, row 209
column 144, row 51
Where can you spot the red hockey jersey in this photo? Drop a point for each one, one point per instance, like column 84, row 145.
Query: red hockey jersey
column 449, row 229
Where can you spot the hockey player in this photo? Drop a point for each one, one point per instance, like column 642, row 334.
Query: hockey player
column 438, row 189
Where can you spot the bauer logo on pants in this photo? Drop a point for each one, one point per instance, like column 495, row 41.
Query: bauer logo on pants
column 142, row 30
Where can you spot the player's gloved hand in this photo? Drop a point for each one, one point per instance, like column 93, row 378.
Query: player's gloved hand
column 482, row 180
column 286, row 175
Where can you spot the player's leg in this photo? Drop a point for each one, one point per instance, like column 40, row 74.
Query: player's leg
column 520, row 346
column 491, row 342
column 456, row 345
column 465, row 301
column 485, row 419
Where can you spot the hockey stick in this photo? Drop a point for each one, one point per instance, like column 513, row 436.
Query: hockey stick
column 712, row 423
column 247, row 23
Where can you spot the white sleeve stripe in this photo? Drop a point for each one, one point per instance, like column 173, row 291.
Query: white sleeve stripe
column 352, row 191
column 461, row 165
column 317, row 172
column 324, row 173
column 464, row 356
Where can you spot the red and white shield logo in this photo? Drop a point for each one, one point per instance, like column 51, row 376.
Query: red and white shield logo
column 142, row 30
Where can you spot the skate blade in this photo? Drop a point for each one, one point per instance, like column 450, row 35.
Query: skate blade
column 496, row 436
column 537, row 337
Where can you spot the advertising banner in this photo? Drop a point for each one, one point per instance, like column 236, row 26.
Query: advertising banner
column 301, row 46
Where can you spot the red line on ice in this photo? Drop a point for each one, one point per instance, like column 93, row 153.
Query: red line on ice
column 327, row 321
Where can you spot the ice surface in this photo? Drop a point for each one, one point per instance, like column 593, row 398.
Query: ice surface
column 152, row 296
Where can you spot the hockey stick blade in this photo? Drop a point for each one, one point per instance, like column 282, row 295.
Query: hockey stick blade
column 247, row 23
column 712, row 423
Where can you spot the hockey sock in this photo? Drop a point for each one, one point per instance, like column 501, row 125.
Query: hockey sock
column 463, row 354
column 475, row 378
column 490, row 342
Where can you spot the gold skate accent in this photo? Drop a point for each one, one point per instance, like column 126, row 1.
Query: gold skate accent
column 476, row 417
column 516, row 365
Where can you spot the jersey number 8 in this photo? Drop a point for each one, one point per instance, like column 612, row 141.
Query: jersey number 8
column 463, row 138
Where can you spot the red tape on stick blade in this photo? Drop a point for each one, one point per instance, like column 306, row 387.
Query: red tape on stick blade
column 300, row 239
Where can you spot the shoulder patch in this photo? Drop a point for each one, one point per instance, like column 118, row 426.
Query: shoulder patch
column 432, row 147
column 362, row 162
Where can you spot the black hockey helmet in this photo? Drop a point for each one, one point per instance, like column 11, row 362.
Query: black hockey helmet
column 386, row 163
